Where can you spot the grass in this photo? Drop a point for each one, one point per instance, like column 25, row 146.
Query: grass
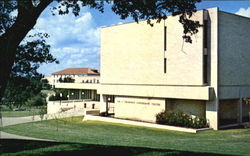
column 6, row 112
column 30, row 147
column 75, row 135
column 20, row 113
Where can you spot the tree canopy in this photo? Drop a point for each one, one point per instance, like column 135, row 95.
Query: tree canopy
column 18, row 17
column 25, row 81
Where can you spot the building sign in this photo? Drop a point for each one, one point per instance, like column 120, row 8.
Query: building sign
column 139, row 102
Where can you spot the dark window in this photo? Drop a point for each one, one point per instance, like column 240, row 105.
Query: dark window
column 165, row 65
column 205, row 36
column 205, row 52
column 205, row 66
column 165, row 38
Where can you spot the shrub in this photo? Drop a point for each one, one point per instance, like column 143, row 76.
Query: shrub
column 177, row 118
column 37, row 100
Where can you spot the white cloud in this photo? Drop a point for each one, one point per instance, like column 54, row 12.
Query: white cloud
column 74, row 40
column 244, row 12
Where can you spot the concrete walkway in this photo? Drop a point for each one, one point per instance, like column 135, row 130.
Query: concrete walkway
column 7, row 121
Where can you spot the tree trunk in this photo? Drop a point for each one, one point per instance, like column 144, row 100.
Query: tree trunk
column 9, row 41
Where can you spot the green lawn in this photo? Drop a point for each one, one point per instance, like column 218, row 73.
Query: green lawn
column 20, row 113
column 73, row 135
column 27, row 112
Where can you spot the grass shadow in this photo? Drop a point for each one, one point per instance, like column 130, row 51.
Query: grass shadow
column 32, row 147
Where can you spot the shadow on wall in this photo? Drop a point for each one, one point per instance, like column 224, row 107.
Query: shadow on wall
column 30, row 147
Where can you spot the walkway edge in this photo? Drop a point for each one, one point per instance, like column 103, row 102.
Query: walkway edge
column 144, row 124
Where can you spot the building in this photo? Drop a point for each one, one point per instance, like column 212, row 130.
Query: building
column 146, row 70
column 81, row 90
column 79, row 75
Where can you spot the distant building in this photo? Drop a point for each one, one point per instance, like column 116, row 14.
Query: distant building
column 79, row 75
column 146, row 70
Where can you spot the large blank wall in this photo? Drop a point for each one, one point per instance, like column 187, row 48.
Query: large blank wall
column 134, row 54
column 234, row 50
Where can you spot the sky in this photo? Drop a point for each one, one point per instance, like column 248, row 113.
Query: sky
column 75, row 41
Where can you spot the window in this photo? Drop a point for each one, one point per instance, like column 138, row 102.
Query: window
column 205, row 52
column 165, row 49
column 165, row 65
column 205, row 70
column 165, row 38
column 205, row 34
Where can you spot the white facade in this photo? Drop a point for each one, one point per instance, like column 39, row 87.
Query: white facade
column 149, row 69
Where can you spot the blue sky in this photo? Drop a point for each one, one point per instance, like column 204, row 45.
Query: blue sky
column 75, row 41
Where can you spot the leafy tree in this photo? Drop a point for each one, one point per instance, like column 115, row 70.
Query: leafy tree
column 38, row 100
column 14, row 28
column 46, row 84
column 25, row 82
column 20, row 89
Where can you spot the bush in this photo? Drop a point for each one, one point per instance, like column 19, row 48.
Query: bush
column 177, row 118
column 37, row 100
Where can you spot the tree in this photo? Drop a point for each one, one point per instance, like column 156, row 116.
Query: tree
column 46, row 85
column 14, row 28
column 25, row 82
column 20, row 89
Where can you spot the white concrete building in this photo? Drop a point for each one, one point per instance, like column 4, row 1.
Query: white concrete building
column 81, row 92
column 145, row 70
column 79, row 75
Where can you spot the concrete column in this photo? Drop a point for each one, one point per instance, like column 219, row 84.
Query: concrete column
column 80, row 95
column 102, row 103
column 212, row 106
column 212, row 109
column 92, row 94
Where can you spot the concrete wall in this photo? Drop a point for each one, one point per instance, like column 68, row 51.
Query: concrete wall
column 234, row 56
column 134, row 54
column 178, row 92
column 53, row 79
column 145, row 109
column 65, row 106
column 138, row 108
column 234, row 49
column 192, row 107
column 78, row 86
